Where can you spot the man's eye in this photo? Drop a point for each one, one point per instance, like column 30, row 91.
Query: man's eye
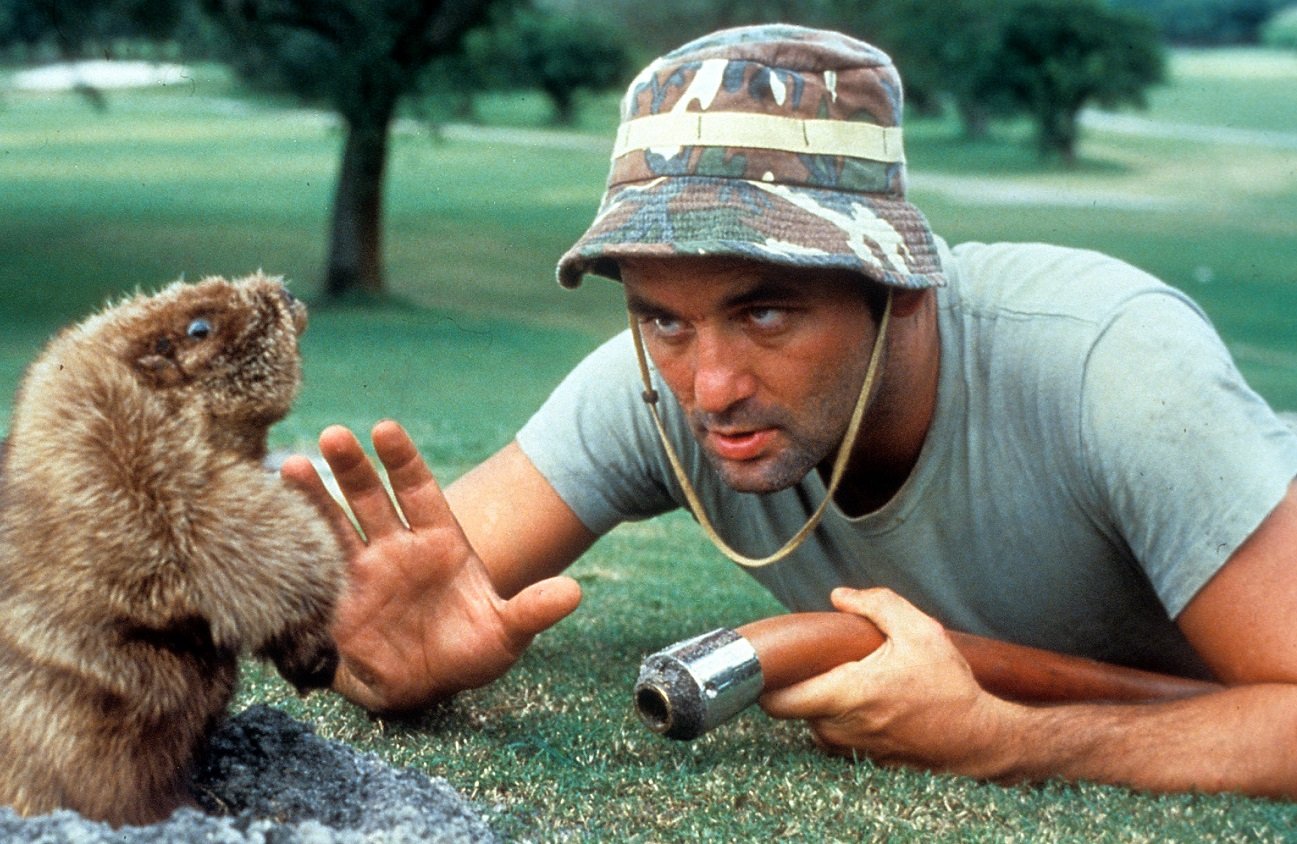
column 666, row 327
column 767, row 318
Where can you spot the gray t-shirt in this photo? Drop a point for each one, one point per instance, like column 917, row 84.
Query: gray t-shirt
column 1095, row 457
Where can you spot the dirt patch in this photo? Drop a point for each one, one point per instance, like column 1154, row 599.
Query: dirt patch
column 268, row 779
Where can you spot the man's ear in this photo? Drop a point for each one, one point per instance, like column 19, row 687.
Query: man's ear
column 907, row 302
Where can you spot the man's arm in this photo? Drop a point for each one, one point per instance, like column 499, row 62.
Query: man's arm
column 515, row 521
column 915, row 702
column 431, row 607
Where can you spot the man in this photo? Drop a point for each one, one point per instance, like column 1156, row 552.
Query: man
column 1039, row 444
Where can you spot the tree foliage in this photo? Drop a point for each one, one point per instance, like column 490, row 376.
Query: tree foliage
column 1204, row 22
column 662, row 25
column 73, row 29
column 1281, row 30
column 361, row 57
column 559, row 54
column 1047, row 59
column 46, row 30
column 945, row 51
column 1058, row 57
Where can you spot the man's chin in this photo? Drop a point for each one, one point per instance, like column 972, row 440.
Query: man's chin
column 756, row 476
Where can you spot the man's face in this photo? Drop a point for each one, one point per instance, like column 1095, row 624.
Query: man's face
column 767, row 362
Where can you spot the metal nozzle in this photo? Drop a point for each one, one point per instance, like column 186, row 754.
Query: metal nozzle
column 692, row 686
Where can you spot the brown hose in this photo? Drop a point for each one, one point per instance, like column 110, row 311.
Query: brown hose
column 797, row 646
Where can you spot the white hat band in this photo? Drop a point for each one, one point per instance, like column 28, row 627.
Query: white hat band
column 672, row 130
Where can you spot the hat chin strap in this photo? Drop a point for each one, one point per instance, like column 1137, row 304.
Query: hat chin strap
column 651, row 397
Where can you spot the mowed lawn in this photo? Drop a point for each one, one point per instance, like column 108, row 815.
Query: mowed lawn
column 193, row 179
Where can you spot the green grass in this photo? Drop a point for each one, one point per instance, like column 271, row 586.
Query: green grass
column 190, row 181
column 1230, row 88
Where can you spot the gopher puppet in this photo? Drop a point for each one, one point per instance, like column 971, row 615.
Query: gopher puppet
column 143, row 547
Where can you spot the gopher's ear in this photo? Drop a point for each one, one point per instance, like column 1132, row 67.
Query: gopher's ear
column 159, row 370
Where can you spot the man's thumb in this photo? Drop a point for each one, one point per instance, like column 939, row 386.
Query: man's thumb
column 541, row 605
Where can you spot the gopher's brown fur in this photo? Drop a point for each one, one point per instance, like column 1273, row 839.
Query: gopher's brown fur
column 143, row 547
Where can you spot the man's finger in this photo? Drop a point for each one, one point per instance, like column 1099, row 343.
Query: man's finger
column 891, row 613
column 413, row 483
column 822, row 696
column 359, row 482
column 842, row 688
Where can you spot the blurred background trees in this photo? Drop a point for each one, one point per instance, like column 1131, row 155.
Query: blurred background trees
column 1054, row 59
column 366, row 60
column 53, row 29
column 562, row 55
column 361, row 58
column 1281, row 29
column 48, row 30
column 1206, row 22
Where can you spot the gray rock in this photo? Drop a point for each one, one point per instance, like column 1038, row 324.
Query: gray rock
column 268, row 779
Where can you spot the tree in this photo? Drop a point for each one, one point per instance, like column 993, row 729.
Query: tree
column 1206, row 21
column 73, row 29
column 1281, row 30
column 361, row 57
column 559, row 54
column 944, row 51
column 66, row 30
column 666, row 24
column 1058, row 57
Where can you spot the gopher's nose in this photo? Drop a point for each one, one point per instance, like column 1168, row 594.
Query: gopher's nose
column 295, row 308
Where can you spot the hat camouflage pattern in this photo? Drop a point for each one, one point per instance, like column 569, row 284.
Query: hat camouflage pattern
column 773, row 143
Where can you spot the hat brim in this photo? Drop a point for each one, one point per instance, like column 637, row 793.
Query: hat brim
column 883, row 238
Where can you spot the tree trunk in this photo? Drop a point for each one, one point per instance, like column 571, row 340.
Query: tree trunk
column 1059, row 130
column 974, row 119
column 355, row 248
column 564, row 102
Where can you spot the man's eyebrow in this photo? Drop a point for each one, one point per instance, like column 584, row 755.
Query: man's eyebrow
column 766, row 291
column 763, row 291
column 641, row 307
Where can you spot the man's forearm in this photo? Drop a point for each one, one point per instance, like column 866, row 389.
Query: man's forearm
column 1242, row 739
column 515, row 521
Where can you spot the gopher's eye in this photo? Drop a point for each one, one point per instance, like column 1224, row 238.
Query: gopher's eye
column 199, row 329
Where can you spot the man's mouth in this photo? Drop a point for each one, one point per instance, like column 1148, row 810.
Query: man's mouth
column 740, row 445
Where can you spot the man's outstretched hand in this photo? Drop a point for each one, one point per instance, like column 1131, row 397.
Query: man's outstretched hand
column 420, row 619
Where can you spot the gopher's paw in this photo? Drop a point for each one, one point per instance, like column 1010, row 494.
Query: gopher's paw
column 308, row 661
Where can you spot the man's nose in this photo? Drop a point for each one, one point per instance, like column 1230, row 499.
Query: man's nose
column 722, row 377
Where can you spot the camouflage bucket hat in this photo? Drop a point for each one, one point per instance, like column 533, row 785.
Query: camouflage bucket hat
column 773, row 143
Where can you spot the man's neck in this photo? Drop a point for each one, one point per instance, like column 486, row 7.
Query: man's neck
column 899, row 417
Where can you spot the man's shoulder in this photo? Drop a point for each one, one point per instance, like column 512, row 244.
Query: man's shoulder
column 609, row 367
column 1030, row 318
column 1041, row 280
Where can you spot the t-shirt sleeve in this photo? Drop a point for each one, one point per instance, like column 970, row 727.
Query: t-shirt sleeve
column 594, row 441
column 1186, row 458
